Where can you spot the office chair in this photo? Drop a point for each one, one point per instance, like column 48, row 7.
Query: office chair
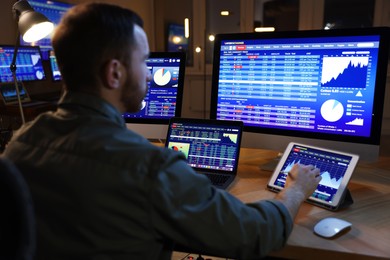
column 17, row 225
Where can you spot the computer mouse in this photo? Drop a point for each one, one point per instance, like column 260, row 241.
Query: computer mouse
column 330, row 227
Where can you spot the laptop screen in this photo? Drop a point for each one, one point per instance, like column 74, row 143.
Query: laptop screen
column 207, row 144
column 9, row 95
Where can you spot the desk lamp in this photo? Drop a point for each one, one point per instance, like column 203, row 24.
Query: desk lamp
column 33, row 26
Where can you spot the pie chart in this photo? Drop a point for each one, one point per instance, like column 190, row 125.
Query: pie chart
column 39, row 74
column 332, row 110
column 162, row 76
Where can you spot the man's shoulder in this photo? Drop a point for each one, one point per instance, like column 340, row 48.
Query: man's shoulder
column 124, row 143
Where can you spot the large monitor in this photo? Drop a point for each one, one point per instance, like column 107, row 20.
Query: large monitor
column 164, row 97
column 53, row 10
column 28, row 63
column 323, row 88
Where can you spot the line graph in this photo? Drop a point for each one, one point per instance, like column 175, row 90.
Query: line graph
column 332, row 173
column 356, row 121
column 344, row 72
column 328, row 181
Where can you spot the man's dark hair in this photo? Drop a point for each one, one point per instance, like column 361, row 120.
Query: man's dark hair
column 88, row 36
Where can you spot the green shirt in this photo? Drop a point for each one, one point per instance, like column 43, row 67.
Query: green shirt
column 101, row 191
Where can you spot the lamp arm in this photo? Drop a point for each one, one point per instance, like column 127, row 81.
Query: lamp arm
column 13, row 70
column 16, row 48
column 16, row 14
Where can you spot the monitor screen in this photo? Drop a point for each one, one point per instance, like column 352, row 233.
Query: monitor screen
column 28, row 64
column 55, row 71
column 53, row 10
column 164, row 97
column 319, row 85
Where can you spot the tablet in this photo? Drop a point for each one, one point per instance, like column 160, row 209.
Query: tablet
column 336, row 170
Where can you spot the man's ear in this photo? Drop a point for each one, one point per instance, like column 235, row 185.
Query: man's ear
column 113, row 74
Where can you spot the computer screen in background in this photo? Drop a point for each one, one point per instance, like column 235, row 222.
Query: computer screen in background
column 28, row 64
column 55, row 71
column 164, row 97
column 53, row 10
column 176, row 38
column 322, row 88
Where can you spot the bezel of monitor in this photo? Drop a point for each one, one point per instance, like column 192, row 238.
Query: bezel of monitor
column 140, row 122
column 334, row 141
column 5, row 68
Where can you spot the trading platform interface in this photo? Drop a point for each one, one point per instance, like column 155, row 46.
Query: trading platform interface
column 28, row 64
column 210, row 147
column 160, row 101
column 323, row 85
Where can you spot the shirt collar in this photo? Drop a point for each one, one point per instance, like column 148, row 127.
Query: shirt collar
column 89, row 103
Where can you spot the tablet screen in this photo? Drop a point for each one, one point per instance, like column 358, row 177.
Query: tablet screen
column 336, row 169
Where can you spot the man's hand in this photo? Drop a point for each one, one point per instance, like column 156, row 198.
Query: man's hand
column 304, row 178
column 301, row 182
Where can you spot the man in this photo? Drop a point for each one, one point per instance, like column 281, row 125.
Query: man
column 103, row 192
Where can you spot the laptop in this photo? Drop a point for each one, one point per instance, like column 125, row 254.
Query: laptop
column 212, row 147
column 9, row 96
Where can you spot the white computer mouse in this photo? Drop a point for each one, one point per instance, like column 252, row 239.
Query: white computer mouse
column 330, row 227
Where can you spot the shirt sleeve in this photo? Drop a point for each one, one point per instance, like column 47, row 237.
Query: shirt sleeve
column 192, row 213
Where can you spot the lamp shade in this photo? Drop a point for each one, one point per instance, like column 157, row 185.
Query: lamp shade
column 33, row 26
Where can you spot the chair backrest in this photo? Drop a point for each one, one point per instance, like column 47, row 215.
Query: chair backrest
column 17, row 225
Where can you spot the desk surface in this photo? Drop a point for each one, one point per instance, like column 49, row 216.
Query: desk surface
column 369, row 237
column 30, row 109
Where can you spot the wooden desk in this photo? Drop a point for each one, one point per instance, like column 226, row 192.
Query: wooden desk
column 30, row 111
column 369, row 237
